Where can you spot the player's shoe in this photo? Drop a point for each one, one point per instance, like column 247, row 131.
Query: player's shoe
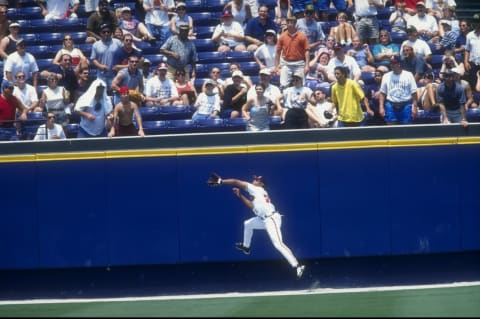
column 244, row 249
column 300, row 269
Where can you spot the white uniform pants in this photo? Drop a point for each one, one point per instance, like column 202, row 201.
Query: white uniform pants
column 273, row 226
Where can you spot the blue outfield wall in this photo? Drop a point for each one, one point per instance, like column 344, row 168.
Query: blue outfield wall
column 146, row 207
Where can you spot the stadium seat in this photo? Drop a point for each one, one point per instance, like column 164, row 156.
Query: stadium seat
column 40, row 51
column 473, row 115
column 427, row 117
column 28, row 13
column 436, row 61
column 154, row 127
column 44, row 64
column 205, row 45
column 276, row 122
column 47, row 38
column 239, row 56
column 175, row 112
column 68, row 25
column 8, row 134
column 250, row 68
column 236, row 124
column 71, row 130
column 151, row 113
column 181, row 126
column 204, row 31
column 41, row 25
column 146, row 47
column 210, row 125
column 367, row 77
column 216, row 5
column 30, row 38
column 36, row 118
column 204, row 19
column 211, row 57
column 28, row 131
column 79, row 36
column 398, row 37
column 155, row 59
column 25, row 26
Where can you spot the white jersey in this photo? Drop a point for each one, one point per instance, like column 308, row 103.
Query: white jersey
column 54, row 133
column 398, row 87
column 262, row 206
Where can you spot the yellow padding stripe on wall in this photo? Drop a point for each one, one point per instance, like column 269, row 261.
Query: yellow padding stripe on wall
column 268, row 148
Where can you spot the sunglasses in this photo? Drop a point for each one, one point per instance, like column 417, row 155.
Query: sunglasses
column 133, row 61
column 20, row 76
column 106, row 31
column 51, row 117
column 9, row 87
column 67, row 39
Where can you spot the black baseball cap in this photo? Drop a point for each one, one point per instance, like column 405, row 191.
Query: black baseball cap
column 260, row 179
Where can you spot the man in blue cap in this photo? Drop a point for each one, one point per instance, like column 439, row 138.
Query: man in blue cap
column 9, row 104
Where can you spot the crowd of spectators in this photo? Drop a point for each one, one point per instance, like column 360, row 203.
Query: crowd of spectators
column 311, row 68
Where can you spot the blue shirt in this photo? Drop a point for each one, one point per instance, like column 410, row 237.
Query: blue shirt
column 257, row 30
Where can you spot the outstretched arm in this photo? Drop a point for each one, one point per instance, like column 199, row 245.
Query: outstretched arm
column 244, row 199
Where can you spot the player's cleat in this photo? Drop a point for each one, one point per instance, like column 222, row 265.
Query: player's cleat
column 300, row 269
column 245, row 250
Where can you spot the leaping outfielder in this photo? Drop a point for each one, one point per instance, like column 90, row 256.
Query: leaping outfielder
column 266, row 216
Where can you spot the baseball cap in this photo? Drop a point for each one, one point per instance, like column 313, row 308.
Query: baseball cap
column 209, row 82
column 395, row 59
column 420, row 4
column 227, row 13
column 476, row 17
column 309, row 8
column 265, row 71
column 21, row 42
column 181, row 4
column 270, row 31
column 452, row 71
column 147, row 61
column 105, row 26
column 291, row 18
column 126, row 9
column 6, row 84
column 14, row 24
column 163, row 66
column 260, row 179
column 123, row 89
column 337, row 46
column 411, row 28
column 298, row 74
column 237, row 73
column 447, row 22
column 183, row 26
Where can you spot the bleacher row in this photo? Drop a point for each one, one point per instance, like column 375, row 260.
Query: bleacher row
column 44, row 39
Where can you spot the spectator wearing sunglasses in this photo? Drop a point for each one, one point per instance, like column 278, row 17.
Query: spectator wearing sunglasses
column 54, row 99
column 26, row 93
column 9, row 105
column 65, row 75
column 53, row 130
column 97, row 19
column 79, row 60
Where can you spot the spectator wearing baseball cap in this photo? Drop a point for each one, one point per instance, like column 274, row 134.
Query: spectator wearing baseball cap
column 311, row 28
column 342, row 59
column 207, row 103
column 180, row 20
column 398, row 95
column 123, row 114
column 9, row 104
column 448, row 37
column 452, row 99
column 229, row 34
column 264, row 55
column 422, row 49
column 271, row 91
column 181, row 54
column 98, row 20
column 292, row 54
column 161, row 90
column 8, row 43
column 21, row 60
column 129, row 24
column 235, row 96
column 426, row 24
column 256, row 28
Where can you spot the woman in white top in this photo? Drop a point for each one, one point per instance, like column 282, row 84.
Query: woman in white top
column 54, row 100
column 265, row 54
column 54, row 131
column 241, row 11
column 79, row 61
column 9, row 43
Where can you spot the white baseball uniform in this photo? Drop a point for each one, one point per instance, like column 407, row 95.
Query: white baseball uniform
column 266, row 218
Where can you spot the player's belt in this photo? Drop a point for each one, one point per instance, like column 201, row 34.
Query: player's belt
column 267, row 216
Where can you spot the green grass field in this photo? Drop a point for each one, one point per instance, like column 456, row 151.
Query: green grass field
column 431, row 302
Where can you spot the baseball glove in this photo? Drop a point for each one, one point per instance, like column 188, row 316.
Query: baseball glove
column 135, row 96
column 214, row 180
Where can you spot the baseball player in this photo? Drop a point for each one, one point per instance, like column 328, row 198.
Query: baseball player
column 266, row 216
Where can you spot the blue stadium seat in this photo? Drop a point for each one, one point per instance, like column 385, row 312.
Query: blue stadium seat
column 205, row 45
column 36, row 118
column 249, row 68
column 276, row 122
column 146, row 47
column 28, row 13
column 42, row 25
column 28, row 131
column 41, row 51
column 204, row 19
column 236, row 124
column 204, row 31
column 216, row 5
column 367, row 77
column 239, row 56
column 211, row 57
column 44, row 64
column 48, row 38
column 436, row 61
column 86, row 48
column 154, row 127
column 155, row 59
column 150, row 113
column 210, row 125
column 30, row 38
column 25, row 26
column 70, row 25
column 71, row 130
column 398, row 37
column 196, row 6
column 175, row 112
column 473, row 115
column 427, row 117
column 8, row 134
column 121, row 4
column 181, row 126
